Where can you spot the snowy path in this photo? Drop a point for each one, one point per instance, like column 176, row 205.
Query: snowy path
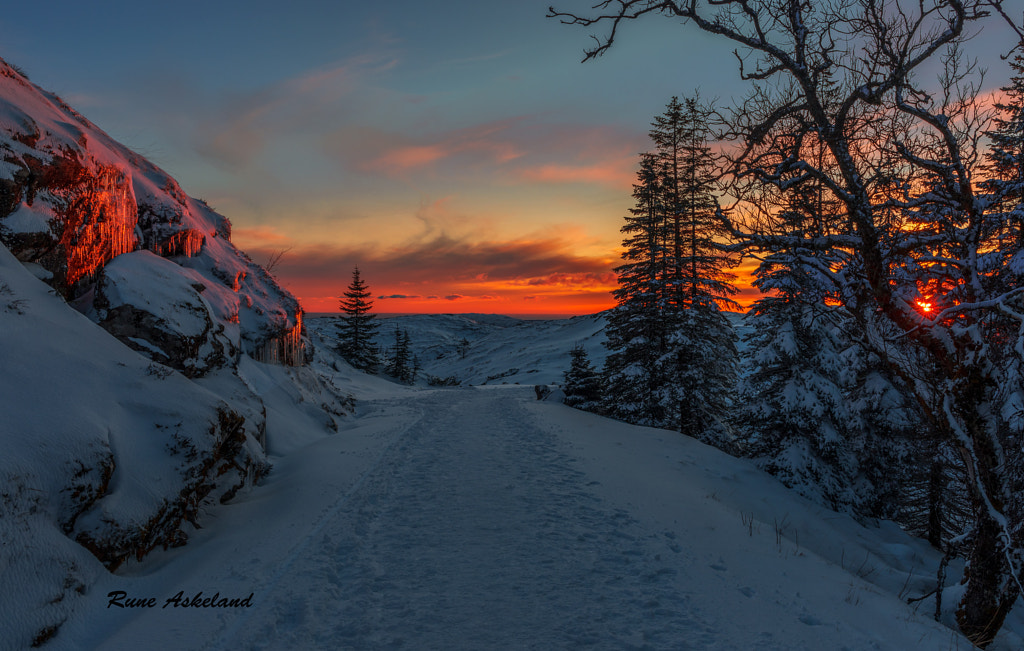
column 480, row 519
column 475, row 531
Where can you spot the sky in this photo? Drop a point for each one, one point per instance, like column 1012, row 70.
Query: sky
column 457, row 151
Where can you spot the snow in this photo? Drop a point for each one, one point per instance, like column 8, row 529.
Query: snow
column 502, row 350
column 458, row 518
column 75, row 401
column 30, row 219
column 158, row 286
column 479, row 517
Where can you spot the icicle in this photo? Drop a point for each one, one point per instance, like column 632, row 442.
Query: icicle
column 100, row 223
column 286, row 350
column 188, row 243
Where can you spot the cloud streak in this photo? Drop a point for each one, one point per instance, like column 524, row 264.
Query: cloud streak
column 492, row 143
column 446, row 269
column 448, row 258
column 525, row 149
column 613, row 173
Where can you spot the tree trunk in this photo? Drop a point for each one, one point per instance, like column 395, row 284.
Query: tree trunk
column 990, row 590
column 990, row 585
column 935, row 491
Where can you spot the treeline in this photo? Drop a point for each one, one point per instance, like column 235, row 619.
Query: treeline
column 883, row 372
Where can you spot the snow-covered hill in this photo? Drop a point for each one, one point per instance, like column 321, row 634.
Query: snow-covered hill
column 486, row 349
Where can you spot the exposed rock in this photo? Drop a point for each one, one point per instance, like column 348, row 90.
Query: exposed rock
column 69, row 216
column 115, row 541
column 103, row 449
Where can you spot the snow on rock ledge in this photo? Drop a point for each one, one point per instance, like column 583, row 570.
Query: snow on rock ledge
column 158, row 309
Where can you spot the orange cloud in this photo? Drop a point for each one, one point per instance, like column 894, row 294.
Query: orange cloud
column 425, row 274
column 257, row 236
column 603, row 280
column 615, row 173
column 404, row 158
column 478, row 142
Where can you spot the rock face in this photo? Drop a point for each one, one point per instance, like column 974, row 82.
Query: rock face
column 72, row 200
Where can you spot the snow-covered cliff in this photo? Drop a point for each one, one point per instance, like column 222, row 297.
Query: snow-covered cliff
column 132, row 395
column 72, row 199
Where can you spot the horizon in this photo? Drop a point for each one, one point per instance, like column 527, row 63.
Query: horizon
column 521, row 317
column 534, row 316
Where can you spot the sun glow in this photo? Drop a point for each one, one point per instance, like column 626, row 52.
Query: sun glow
column 924, row 306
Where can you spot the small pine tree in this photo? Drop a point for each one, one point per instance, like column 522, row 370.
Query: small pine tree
column 582, row 383
column 402, row 364
column 358, row 327
column 414, row 368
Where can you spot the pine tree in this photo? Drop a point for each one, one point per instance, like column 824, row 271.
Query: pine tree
column 402, row 364
column 701, row 359
column 1005, row 167
column 672, row 360
column 637, row 328
column 818, row 410
column 696, row 262
column 357, row 328
column 582, row 383
column 793, row 414
column 795, row 419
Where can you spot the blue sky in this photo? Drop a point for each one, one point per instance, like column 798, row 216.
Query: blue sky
column 458, row 151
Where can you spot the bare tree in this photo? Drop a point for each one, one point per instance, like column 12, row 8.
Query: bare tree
column 275, row 259
column 837, row 102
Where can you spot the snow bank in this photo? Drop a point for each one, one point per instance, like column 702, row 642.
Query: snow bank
column 103, row 450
